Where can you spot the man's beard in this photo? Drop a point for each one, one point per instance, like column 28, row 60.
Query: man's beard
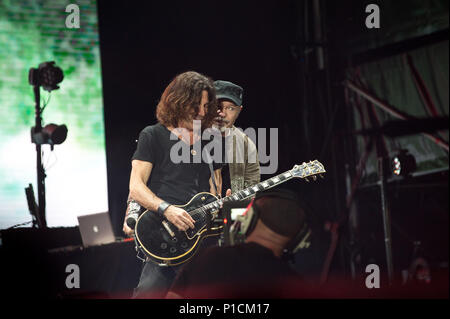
column 220, row 124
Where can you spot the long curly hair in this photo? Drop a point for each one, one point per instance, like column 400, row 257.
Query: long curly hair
column 181, row 99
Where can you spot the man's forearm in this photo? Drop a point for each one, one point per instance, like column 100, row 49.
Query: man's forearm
column 144, row 196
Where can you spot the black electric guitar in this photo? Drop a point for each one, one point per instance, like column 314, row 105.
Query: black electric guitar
column 164, row 244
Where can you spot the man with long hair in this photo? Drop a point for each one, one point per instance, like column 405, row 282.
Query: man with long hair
column 157, row 182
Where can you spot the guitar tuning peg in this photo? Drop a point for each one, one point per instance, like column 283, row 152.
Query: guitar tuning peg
column 321, row 176
column 307, row 180
column 314, row 178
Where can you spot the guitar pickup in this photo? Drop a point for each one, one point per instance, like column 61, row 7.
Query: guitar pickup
column 167, row 227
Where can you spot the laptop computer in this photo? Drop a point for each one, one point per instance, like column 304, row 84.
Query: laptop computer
column 96, row 229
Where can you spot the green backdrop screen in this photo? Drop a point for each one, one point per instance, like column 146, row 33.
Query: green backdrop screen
column 32, row 32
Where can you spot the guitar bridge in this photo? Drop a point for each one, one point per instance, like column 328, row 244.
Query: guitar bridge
column 167, row 227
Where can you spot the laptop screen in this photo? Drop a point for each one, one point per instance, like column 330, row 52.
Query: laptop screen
column 96, row 229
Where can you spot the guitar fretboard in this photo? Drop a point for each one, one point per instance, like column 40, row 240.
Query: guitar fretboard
column 245, row 193
column 302, row 171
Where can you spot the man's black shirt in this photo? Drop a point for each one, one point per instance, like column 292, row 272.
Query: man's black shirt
column 226, row 183
column 173, row 182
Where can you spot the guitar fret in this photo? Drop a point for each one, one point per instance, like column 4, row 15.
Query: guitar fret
column 246, row 193
column 227, row 199
column 301, row 171
column 196, row 211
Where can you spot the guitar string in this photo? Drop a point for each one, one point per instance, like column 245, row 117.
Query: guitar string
column 281, row 178
column 242, row 194
column 249, row 191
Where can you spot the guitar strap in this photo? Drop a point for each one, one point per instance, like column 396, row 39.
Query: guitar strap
column 211, row 169
column 213, row 179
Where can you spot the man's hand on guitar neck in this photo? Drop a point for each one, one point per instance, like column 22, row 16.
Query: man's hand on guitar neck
column 179, row 217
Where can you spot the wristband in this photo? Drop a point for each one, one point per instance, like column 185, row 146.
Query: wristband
column 162, row 208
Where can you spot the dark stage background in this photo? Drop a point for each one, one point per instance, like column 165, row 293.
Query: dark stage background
column 291, row 58
column 269, row 48
column 254, row 44
column 142, row 50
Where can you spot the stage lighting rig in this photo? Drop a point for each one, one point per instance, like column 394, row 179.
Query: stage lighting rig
column 403, row 164
column 47, row 76
column 50, row 134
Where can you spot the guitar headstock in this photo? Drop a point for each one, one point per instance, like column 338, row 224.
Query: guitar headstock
column 310, row 169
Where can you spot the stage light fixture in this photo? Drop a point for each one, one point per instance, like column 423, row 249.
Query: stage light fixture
column 403, row 164
column 50, row 134
column 46, row 75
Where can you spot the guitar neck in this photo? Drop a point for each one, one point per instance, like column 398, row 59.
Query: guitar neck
column 302, row 171
column 262, row 186
column 249, row 191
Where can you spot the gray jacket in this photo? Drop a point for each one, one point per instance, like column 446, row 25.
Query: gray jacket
column 243, row 160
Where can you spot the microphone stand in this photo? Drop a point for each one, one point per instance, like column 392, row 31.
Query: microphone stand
column 382, row 167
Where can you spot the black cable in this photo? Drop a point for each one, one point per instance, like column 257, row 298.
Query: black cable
column 48, row 100
column 21, row 224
